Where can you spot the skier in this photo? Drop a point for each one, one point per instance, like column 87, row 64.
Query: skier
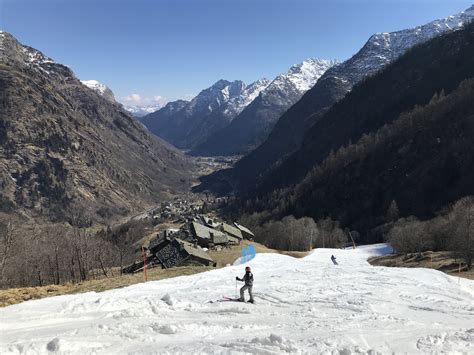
column 248, row 279
column 333, row 259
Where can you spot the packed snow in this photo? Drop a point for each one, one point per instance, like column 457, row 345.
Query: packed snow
column 303, row 305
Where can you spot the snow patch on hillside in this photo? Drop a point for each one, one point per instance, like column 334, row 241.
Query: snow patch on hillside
column 303, row 305
column 95, row 85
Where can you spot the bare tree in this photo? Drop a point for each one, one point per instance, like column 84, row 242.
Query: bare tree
column 289, row 233
column 462, row 240
column 6, row 242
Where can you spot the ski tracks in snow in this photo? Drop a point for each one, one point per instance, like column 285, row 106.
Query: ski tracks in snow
column 303, row 306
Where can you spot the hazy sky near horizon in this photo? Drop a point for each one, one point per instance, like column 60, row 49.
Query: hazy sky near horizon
column 149, row 51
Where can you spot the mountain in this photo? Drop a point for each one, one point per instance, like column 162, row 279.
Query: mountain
column 140, row 111
column 287, row 136
column 403, row 136
column 62, row 144
column 187, row 125
column 101, row 89
column 237, row 104
column 253, row 124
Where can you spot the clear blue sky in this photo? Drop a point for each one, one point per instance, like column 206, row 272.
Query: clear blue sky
column 174, row 48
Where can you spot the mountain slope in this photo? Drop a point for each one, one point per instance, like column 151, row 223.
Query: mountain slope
column 423, row 161
column 288, row 133
column 349, row 309
column 252, row 126
column 403, row 135
column 440, row 64
column 187, row 125
column 62, row 143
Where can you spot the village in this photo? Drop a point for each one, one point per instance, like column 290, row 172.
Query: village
column 192, row 230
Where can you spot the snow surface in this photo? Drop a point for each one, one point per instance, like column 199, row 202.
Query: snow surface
column 95, row 85
column 303, row 306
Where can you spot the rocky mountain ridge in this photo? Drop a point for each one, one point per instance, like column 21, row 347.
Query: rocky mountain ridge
column 254, row 123
column 186, row 124
column 62, row 144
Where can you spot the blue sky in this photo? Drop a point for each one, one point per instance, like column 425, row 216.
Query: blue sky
column 174, row 48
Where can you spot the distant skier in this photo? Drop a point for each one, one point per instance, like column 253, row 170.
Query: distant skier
column 248, row 279
column 333, row 259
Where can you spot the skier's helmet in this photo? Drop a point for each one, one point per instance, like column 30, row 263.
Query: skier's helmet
column 247, row 268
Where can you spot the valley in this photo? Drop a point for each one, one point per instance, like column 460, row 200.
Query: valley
column 152, row 161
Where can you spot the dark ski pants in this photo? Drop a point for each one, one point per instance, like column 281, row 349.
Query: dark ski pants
column 242, row 290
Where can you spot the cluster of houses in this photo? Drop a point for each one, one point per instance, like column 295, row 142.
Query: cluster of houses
column 189, row 244
column 182, row 210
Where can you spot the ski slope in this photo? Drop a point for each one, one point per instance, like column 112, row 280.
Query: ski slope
column 303, row 306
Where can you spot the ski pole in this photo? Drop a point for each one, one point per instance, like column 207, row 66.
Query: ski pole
column 235, row 288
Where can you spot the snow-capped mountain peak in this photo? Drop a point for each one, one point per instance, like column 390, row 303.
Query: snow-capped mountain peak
column 238, row 103
column 305, row 74
column 95, row 85
column 258, row 116
column 383, row 48
column 13, row 51
column 140, row 111
column 290, row 86
column 380, row 50
column 216, row 95
column 102, row 89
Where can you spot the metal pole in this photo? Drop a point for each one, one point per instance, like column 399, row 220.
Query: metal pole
column 350, row 235
column 144, row 263
column 459, row 277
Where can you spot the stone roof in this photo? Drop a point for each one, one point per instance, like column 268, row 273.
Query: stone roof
column 204, row 232
column 192, row 250
column 231, row 230
column 244, row 229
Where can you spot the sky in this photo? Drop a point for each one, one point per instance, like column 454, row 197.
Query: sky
column 152, row 51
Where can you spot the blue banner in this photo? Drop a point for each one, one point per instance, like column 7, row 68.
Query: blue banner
column 248, row 253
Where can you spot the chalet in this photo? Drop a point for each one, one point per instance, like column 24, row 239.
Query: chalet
column 168, row 252
column 247, row 234
column 234, row 234
column 208, row 237
column 210, row 222
column 178, row 252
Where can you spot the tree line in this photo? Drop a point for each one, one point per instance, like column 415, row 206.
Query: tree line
column 42, row 254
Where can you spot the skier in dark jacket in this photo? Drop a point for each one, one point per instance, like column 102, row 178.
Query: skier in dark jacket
column 248, row 279
column 333, row 259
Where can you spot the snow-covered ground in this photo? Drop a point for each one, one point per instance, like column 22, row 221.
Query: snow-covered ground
column 303, row 306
